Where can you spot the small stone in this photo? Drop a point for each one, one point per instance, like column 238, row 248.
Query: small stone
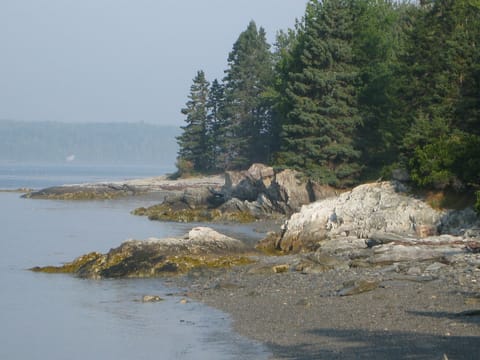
column 151, row 298
column 414, row 271
column 358, row 287
column 278, row 269
column 435, row 267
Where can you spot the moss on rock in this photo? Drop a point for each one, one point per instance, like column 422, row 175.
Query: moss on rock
column 165, row 212
column 70, row 267
column 200, row 248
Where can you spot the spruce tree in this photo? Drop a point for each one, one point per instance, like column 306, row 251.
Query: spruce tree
column 216, row 125
column 442, row 90
column 379, row 43
column 194, row 145
column 247, row 111
column 322, row 115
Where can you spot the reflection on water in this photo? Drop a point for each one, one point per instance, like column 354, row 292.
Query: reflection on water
column 61, row 317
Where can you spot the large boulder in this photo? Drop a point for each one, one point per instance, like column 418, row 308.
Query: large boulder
column 362, row 212
column 290, row 191
column 201, row 247
column 263, row 190
column 249, row 184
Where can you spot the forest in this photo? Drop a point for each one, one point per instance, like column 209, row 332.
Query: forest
column 87, row 143
column 357, row 88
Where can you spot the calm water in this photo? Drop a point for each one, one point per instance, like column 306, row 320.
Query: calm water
column 61, row 317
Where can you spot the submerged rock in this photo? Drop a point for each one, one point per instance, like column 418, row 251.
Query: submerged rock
column 201, row 247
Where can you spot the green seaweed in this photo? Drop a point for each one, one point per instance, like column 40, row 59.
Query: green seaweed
column 70, row 267
column 164, row 212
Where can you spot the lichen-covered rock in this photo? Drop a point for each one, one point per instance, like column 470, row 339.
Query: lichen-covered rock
column 234, row 211
column 201, row 247
column 366, row 210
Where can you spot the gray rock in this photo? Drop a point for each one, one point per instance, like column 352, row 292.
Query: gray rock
column 201, row 247
column 391, row 253
column 435, row 267
column 364, row 212
column 461, row 222
column 266, row 191
column 358, row 287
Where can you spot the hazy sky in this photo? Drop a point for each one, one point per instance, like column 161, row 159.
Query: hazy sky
column 120, row 60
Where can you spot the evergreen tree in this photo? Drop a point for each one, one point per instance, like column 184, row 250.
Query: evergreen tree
column 442, row 88
column 322, row 114
column 247, row 110
column 379, row 43
column 283, row 59
column 194, row 142
column 216, row 125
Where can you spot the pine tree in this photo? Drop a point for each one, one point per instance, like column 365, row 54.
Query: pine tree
column 247, row 111
column 216, row 125
column 194, row 142
column 442, row 84
column 322, row 114
column 379, row 43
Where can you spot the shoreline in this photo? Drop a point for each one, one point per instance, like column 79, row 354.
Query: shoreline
column 302, row 316
column 118, row 189
column 424, row 309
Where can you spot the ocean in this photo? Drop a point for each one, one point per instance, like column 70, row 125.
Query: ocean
column 54, row 316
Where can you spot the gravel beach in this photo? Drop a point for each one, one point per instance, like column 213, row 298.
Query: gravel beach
column 303, row 316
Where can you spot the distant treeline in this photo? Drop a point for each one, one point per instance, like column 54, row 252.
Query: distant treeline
column 100, row 143
column 356, row 88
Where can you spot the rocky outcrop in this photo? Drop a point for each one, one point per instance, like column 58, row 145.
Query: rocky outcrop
column 367, row 209
column 85, row 192
column 377, row 212
column 111, row 190
column 201, row 247
column 261, row 189
column 257, row 193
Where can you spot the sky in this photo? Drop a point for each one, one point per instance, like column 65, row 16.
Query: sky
column 120, row 60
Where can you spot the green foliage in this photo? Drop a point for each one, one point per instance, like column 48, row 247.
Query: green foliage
column 185, row 168
column 216, row 127
column 452, row 161
column 356, row 87
column 379, row 42
column 442, row 86
column 247, row 109
column 194, row 142
column 320, row 96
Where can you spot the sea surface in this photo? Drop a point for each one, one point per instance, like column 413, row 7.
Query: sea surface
column 58, row 317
